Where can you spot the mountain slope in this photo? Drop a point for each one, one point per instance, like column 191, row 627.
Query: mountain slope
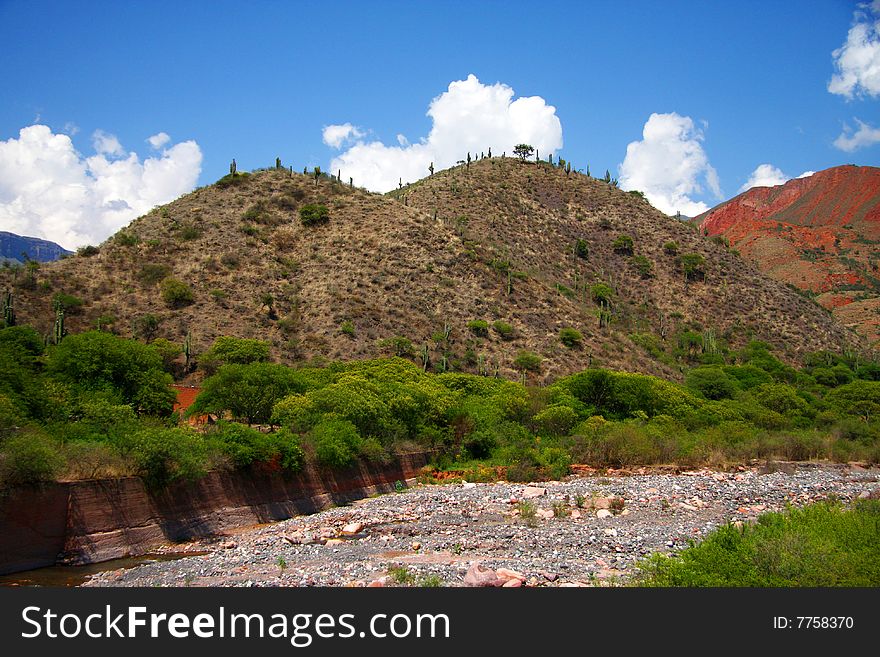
column 13, row 248
column 820, row 234
column 493, row 241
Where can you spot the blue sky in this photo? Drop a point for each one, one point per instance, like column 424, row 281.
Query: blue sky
column 256, row 80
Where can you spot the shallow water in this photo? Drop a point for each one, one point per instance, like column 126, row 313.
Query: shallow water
column 75, row 575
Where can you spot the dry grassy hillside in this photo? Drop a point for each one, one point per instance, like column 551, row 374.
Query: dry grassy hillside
column 492, row 241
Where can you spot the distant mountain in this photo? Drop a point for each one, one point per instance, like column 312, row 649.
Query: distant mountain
column 14, row 248
column 462, row 270
column 820, row 234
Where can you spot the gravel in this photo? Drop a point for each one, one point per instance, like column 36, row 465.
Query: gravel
column 438, row 531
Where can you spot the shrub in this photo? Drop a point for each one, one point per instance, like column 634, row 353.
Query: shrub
column 820, row 545
column 336, row 441
column 238, row 351
column 88, row 251
column 556, row 420
column 165, row 455
column 527, row 361
column 123, row 238
column 190, row 232
column 347, row 328
column 248, row 392
column 671, row 248
column 503, row 329
column 176, row 293
column 479, row 327
column 601, row 293
column 571, row 338
column 145, row 326
column 27, row 458
column 692, row 265
column 312, row 214
column 151, row 273
column 623, row 245
column 582, row 249
column 711, row 382
column 642, row 265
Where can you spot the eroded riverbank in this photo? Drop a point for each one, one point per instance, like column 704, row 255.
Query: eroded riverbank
column 586, row 530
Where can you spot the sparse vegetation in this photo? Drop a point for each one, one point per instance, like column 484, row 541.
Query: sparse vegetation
column 176, row 293
column 313, row 214
column 571, row 338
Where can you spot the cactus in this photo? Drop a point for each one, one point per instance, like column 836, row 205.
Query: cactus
column 8, row 310
column 710, row 344
column 317, row 175
column 567, row 168
column 509, row 283
column 277, row 162
column 537, row 155
column 187, row 351
column 588, row 172
column 431, row 168
column 339, row 175
column 233, row 169
column 423, row 356
column 550, row 158
column 400, row 183
column 490, row 151
column 291, row 171
column 351, row 182
column 305, row 171
column 58, row 330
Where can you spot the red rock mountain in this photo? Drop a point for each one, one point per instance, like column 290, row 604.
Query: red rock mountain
column 820, row 234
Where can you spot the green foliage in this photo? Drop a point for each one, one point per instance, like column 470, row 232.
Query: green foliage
column 642, row 265
column 87, row 251
column 523, row 151
column 168, row 351
column 313, row 214
column 623, row 245
column 347, row 328
column 671, row 248
column 820, row 545
column 398, row 345
column 67, row 302
column 582, row 249
column 234, row 351
column 163, row 456
column 151, row 273
column 503, row 329
column 601, row 293
column 124, row 238
column 97, row 360
column 711, row 383
column 336, row 442
column 28, row 458
column 479, row 327
column 693, row 266
column 527, row 361
column 249, row 392
column 571, row 338
column 175, row 293
column 247, row 447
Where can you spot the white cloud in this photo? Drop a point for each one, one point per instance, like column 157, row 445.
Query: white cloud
column 468, row 117
column 336, row 135
column 850, row 141
column 158, row 140
column 402, row 140
column 767, row 175
column 49, row 190
column 669, row 165
column 106, row 144
column 858, row 60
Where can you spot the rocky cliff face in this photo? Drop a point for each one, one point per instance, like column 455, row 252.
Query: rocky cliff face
column 14, row 248
column 820, row 234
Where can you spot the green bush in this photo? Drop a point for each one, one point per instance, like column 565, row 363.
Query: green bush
column 67, row 302
column 623, row 245
column 228, row 350
column 503, row 329
column 601, row 293
column 163, row 456
column 527, row 361
column 711, row 382
column 248, row 447
column 642, row 265
column 693, row 266
column 571, row 338
column 151, row 273
column 582, row 249
column 336, row 442
column 312, row 214
column 175, row 293
column 821, row 545
column 28, row 458
column 479, row 327
column 556, row 420
column 671, row 248
column 347, row 328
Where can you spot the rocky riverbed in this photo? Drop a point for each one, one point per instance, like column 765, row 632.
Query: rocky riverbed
column 586, row 530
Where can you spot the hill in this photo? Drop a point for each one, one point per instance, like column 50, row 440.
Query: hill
column 820, row 234
column 467, row 268
column 14, row 248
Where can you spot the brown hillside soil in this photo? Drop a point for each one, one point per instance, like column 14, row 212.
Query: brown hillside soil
column 820, row 234
column 494, row 241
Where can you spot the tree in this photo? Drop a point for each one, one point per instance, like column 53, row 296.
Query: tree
column 248, row 392
column 176, row 293
column 229, row 350
column 523, row 151
column 692, row 265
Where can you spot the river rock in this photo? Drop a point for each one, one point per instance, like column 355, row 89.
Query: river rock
column 352, row 528
column 530, row 492
column 479, row 576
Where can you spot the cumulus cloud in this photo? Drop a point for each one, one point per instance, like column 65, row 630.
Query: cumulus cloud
column 468, row 117
column 158, row 140
column 49, row 190
column 336, row 135
column 850, row 141
column 669, row 165
column 857, row 61
column 767, row 175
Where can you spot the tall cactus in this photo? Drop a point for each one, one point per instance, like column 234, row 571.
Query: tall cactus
column 317, row 175
column 423, row 356
column 58, row 330
column 490, row 151
column 431, row 168
column 277, row 162
column 233, row 168
column 187, row 351
column 351, row 182
column 8, row 310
